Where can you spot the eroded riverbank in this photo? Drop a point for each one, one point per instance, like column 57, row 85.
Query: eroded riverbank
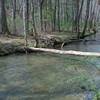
column 10, row 44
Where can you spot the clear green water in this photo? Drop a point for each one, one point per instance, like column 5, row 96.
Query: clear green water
column 47, row 77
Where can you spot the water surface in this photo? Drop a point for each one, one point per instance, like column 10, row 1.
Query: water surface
column 48, row 77
column 89, row 44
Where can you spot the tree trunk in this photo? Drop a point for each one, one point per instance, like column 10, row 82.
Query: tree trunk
column 86, row 19
column 4, row 26
column 26, row 19
column 34, row 26
column 58, row 15
column 14, row 16
column 54, row 16
column 79, row 16
column 41, row 15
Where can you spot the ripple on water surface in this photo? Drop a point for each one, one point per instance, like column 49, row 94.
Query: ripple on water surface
column 47, row 76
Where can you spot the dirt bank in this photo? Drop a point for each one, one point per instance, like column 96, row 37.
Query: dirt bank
column 11, row 44
column 15, row 44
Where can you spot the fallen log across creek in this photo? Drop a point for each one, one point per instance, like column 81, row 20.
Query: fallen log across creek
column 70, row 52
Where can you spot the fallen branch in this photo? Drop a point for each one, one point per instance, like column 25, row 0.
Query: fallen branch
column 70, row 52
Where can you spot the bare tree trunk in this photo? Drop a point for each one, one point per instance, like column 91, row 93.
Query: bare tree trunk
column 4, row 26
column 86, row 19
column 41, row 15
column 34, row 26
column 14, row 16
column 76, row 22
column 54, row 16
column 58, row 15
column 26, row 19
column 79, row 16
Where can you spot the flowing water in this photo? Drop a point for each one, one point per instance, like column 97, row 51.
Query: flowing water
column 49, row 76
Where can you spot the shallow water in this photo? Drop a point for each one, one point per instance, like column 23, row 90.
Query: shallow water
column 47, row 77
column 90, row 44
